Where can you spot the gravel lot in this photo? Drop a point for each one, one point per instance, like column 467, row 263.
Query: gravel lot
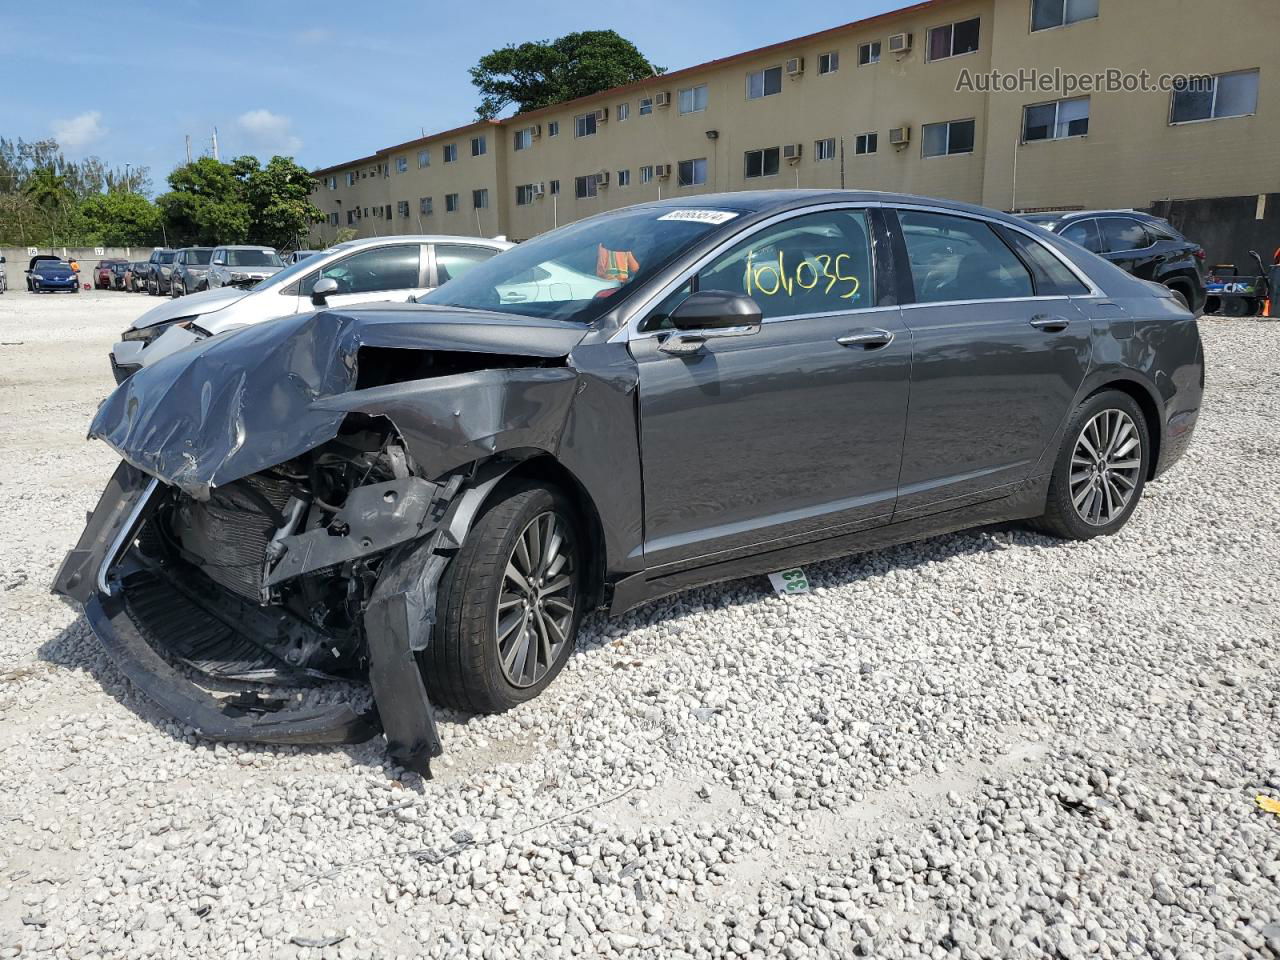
column 984, row 745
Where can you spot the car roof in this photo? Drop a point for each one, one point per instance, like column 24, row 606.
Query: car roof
column 417, row 238
column 244, row 246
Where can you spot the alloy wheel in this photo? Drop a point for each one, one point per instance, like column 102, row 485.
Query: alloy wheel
column 537, row 601
column 1105, row 467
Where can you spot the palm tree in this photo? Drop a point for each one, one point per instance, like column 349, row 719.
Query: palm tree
column 50, row 193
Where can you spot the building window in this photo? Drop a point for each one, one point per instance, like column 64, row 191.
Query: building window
column 824, row 149
column 758, row 163
column 646, row 106
column 764, row 83
column 351, row 179
column 1212, row 98
column 1046, row 14
column 450, row 203
column 646, row 173
column 693, row 99
column 624, row 112
column 828, row 63
column 869, row 53
column 450, row 152
column 954, row 39
column 424, row 206
column 1056, row 121
column 553, row 128
column 691, row 173
column 624, row 178
column 524, row 194
column 584, row 125
column 333, row 219
column 402, row 164
column 366, row 211
column 523, row 139
column 331, row 182
column 554, row 187
column 387, row 211
column 585, row 187
column 865, row 143
column 351, row 218
column 402, row 207
column 424, row 159
column 480, row 199
column 478, row 147
column 945, row 139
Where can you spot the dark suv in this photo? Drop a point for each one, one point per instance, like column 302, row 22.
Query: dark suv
column 1147, row 247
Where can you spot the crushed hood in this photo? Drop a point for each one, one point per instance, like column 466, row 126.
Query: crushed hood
column 192, row 305
column 229, row 406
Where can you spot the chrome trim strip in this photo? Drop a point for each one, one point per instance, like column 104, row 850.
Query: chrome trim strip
column 127, row 530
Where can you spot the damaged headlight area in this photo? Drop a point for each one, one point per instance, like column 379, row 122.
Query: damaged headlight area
column 209, row 605
column 149, row 334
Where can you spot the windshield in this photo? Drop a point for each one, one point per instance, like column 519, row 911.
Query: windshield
column 576, row 273
column 199, row 255
column 167, row 257
column 253, row 258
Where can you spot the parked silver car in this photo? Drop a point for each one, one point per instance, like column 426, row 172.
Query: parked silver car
column 359, row 271
column 242, row 266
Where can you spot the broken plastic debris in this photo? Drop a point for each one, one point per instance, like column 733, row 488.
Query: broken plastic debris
column 1269, row 804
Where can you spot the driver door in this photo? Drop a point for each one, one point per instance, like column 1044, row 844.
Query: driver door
column 393, row 273
column 793, row 433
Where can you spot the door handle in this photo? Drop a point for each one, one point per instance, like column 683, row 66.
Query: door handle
column 872, row 340
column 1050, row 324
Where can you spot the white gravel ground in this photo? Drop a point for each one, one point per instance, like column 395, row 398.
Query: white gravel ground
column 985, row 745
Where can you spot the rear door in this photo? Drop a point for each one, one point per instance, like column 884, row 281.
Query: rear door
column 390, row 273
column 999, row 350
column 794, row 432
column 452, row 260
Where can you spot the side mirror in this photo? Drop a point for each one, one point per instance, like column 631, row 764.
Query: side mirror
column 708, row 315
column 323, row 290
column 715, row 310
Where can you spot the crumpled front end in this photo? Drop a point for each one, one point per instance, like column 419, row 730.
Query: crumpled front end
column 289, row 498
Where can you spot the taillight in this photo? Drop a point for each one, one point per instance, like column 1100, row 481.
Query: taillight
column 1200, row 254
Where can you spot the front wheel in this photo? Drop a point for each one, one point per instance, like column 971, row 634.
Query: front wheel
column 509, row 603
column 1101, row 470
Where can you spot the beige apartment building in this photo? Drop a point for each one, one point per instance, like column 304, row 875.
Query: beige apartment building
column 949, row 98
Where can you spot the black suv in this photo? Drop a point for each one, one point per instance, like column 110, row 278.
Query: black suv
column 1146, row 246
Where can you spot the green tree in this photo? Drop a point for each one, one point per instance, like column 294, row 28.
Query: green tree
column 51, row 196
column 120, row 219
column 279, row 196
column 540, row 73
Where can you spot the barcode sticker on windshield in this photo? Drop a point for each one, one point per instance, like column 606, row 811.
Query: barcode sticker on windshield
column 700, row 216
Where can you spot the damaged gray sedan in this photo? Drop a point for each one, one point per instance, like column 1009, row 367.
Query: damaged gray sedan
column 428, row 497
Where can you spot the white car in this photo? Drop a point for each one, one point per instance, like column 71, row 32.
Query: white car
column 359, row 271
column 553, row 281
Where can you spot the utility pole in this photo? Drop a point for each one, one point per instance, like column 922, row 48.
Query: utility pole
column 215, row 144
column 188, row 149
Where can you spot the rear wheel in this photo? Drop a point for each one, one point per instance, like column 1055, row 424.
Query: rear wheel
column 509, row 603
column 1101, row 470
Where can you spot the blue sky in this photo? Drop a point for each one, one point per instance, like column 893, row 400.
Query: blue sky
column 324, row 81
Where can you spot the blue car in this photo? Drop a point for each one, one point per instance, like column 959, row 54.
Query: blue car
column 51, row 273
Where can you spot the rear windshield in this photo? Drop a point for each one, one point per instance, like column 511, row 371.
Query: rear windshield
column 253, row 258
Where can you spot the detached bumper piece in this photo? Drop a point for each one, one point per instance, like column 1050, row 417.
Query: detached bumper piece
column 156, row 615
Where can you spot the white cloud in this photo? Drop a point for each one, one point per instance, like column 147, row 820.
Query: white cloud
column 268, row 132
column 79, row 131
column 314, row 35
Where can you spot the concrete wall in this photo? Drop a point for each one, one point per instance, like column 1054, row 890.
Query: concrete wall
column 88, row 257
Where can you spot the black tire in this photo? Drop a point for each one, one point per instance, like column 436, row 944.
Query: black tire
column 1061, row 517
column 1235, row 307
column 463, row 666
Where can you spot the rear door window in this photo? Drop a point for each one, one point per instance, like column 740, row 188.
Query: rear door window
column 453, row 260
column 1053, row 278
column 1124, row 233
column 1086, row 234
column 372, row 271
column 955, row 258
